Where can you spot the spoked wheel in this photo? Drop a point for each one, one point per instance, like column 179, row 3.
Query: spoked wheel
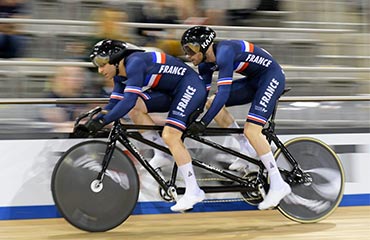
column 321, row 193
column 82, row 199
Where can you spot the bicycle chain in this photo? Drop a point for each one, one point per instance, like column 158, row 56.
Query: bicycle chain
column 223, row 200
column 219, row 200
column 213, row 179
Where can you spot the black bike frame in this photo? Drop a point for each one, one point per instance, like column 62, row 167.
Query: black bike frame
column 121, row 133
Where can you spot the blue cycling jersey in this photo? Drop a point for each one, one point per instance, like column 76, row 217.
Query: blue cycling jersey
column 264, row 79
column 158, row 72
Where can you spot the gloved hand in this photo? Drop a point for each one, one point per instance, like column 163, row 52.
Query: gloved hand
column 196, row 128
column 80, row 131
column 94, row 125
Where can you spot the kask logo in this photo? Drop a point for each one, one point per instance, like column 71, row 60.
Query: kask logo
column 208, row 40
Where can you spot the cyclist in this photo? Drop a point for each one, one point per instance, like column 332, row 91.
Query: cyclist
column 262, row 84
column 175, row 87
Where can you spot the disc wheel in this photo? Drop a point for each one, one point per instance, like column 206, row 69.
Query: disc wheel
column 316, row 198
column 86, row 202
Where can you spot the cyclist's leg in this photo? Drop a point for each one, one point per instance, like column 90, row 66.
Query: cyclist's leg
column 271, row 85
column 223, row 118
column 242, row 92
column 152, row 101
column 194, row 93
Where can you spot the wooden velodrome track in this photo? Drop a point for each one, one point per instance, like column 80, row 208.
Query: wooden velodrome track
column 345, row 223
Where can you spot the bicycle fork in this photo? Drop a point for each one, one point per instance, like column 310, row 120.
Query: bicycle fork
column 296, row 175
column 97, row 185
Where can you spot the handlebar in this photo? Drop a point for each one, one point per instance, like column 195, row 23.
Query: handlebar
column 88, row 115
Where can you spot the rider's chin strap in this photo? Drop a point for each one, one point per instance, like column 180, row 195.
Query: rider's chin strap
column 204, row 57
column 214, row 50
column 117, row 70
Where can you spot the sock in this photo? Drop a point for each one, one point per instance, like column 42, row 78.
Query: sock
column 154, row 136
column 231, row 141
column 187, row 172
column 245, row 146
column 269, row 162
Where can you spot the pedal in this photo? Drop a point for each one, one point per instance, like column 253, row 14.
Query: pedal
column 262, row 191
column 173, row 193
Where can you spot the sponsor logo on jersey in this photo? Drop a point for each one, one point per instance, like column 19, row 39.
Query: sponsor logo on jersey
column 259, row 108
column 177, row 113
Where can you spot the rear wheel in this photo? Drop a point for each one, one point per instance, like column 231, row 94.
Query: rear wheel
column 317, row 198
column 86, row 202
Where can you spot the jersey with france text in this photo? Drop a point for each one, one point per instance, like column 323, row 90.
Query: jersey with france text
column 232, row 56
column 146, row 70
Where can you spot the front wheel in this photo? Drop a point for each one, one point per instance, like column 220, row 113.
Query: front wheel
column 313, row 200
column 86, row 202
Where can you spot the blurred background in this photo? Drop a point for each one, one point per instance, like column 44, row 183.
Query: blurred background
column 323, row 46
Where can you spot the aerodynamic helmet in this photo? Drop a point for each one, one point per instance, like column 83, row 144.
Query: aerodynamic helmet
column 112, row 52
column 197, row 39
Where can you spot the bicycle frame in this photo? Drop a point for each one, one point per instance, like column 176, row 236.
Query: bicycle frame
column 308, row 202
column 120, row 132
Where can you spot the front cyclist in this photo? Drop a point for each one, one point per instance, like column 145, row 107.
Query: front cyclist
column 262, row 85
column 166, row 84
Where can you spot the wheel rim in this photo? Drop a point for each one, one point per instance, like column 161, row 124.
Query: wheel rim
column 86, row 202
column 317, row 200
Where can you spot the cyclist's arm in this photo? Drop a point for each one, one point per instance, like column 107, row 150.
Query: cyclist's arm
column 225, row 63
column 206, row 73
column 135, row 70
column 116, row 95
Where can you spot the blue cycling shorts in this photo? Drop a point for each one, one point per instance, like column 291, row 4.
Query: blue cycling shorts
column 262, row 91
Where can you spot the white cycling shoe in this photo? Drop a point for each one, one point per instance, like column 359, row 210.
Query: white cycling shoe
column 160, row 161
column 241, row 165
column 188, row 202
column 274, row 197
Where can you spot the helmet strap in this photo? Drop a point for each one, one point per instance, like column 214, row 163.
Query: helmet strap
column 204, row 57
column 117, row 69
column 213, row 46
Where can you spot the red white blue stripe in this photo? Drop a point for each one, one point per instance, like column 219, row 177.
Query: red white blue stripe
column 137, row 90
column 246, row 47
column 159, row 58
column 116, row 95
column 133, row 89
column 208, row 86
column 256, row 118
column 176, row 122
column 224, row 81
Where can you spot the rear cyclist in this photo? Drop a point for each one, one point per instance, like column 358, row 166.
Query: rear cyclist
column 262, row 85
column 163, row 83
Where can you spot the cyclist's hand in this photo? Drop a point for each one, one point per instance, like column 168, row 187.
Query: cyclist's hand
column 197, row 128
column 94, row 125
column 80, row 131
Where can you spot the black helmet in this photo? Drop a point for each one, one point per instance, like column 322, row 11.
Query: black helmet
column 112, row 52
column 197, row 39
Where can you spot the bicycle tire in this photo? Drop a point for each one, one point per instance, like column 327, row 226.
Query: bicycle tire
column 309, row 203
column 73, row 190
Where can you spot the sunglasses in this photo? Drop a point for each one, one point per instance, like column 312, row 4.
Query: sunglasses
column 191, row 49
column 100, row 60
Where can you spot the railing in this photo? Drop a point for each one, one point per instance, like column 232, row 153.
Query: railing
column 314, row 112
column 11, row 101
column 172, row 26
column 88, row 64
